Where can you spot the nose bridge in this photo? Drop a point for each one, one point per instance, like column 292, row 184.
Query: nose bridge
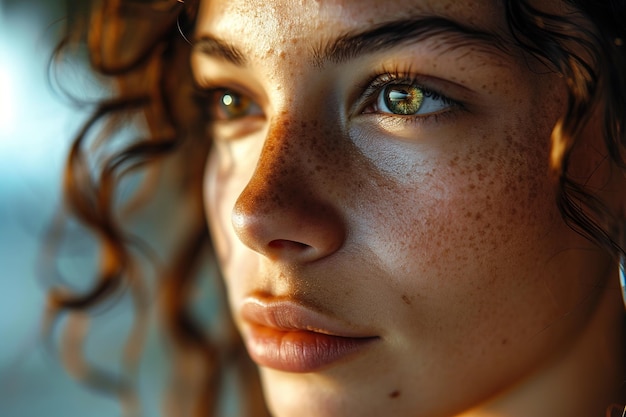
column 287, row 163
column 287, row 210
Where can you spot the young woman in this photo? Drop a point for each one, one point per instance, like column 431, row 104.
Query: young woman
column 417, row 206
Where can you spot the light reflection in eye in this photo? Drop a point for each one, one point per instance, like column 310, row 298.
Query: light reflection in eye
column 227, row 100
column 230, row 105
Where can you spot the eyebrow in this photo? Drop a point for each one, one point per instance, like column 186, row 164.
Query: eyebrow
column 387, row 35
column 212, row 46
column 405, row 32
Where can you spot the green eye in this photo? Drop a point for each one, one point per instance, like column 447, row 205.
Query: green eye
column 403, row 99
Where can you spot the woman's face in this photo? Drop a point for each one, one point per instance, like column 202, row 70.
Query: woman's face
column 382, row 204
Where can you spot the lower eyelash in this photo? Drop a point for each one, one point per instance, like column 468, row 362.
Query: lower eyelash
column 399, row 122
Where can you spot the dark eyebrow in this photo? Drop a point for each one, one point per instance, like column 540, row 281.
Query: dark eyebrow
column 406, row 31
column 384, row 36
column 213, row 46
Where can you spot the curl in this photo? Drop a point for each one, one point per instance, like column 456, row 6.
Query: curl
column 585, row 47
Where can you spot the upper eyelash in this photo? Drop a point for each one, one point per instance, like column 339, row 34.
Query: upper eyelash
column 373, row 87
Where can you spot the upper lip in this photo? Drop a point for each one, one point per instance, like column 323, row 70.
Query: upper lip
column 289, row 315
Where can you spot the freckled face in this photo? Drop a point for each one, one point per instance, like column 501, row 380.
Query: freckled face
column 404, row 191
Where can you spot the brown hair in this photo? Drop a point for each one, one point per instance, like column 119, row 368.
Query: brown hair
column 137, row 45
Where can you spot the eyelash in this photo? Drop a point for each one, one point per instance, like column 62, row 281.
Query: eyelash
column 376, row 84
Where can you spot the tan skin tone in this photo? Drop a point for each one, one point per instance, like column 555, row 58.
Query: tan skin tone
column 437, row 233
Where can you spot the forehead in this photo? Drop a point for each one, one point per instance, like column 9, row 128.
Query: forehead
column 264, row 24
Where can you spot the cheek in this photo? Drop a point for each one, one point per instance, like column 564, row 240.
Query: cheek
column 497, row 200
column 477, row 200
column 476, row 237
column 474, row 253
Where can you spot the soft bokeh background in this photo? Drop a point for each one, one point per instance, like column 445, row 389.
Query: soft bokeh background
column 36, row 127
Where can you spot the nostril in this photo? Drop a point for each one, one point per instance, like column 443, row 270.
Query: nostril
column 287, row 245
column 291, row 250
column 303, row 231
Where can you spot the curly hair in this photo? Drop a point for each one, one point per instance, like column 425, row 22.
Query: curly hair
column 138, row 48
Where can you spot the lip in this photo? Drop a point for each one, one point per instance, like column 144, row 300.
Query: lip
column 290, row 337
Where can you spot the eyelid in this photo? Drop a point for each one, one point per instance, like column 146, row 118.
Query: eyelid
column 368, row 92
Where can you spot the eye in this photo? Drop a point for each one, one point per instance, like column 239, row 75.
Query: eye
column 409, row 100
column 230, row 105
column 407, row 97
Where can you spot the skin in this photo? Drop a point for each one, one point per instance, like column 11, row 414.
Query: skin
column 439, row 234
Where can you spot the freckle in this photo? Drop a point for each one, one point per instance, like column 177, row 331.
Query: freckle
column 505, row 341
column 394, row 394
column 406, row 299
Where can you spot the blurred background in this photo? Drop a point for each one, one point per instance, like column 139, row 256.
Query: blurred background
column 36, row 127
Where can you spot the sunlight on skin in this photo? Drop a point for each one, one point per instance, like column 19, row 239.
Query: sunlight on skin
column 429, row 228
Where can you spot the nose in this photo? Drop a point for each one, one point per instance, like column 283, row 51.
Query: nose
column 288, row 211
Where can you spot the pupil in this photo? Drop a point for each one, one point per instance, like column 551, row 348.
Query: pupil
column 404, row 99
column 234, row 105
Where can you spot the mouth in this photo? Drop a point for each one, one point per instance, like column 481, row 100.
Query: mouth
column 289, row 337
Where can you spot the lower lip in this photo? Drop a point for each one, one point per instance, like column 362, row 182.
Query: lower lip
column 300, row 350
